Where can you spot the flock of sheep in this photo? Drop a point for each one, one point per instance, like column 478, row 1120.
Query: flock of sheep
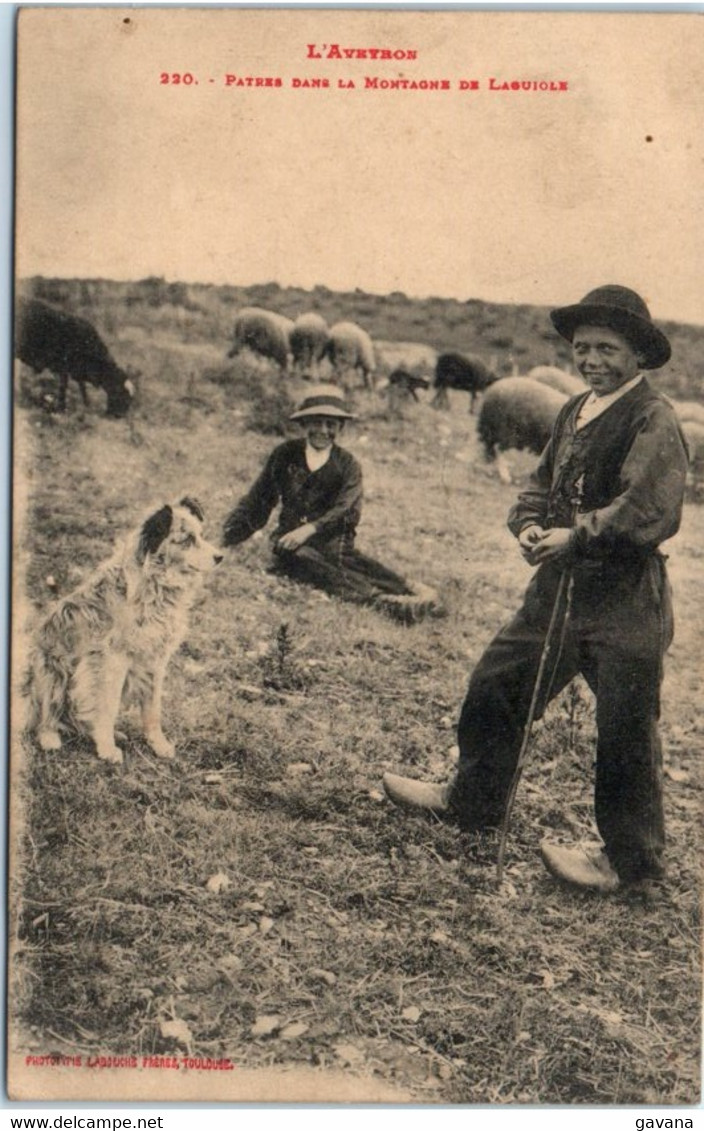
column 302, row 346
column 516, row 411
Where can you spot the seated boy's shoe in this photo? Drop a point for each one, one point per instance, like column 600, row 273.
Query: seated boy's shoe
column 426, row 601
column 421, row 601
column 583, row 867
column 398, row 606
column 422, row 796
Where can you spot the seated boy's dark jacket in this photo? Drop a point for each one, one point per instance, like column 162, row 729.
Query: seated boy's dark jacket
column 330, row 497
column 618, row 482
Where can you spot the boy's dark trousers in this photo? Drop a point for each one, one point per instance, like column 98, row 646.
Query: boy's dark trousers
column 335, row 566
column 618, row 629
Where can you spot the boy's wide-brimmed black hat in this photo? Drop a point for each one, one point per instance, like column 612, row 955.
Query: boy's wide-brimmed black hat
column 323, row 400
column 621, row 310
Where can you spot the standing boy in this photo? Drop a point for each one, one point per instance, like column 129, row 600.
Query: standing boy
column 607, row 491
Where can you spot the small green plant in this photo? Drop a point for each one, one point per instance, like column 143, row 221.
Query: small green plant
column 283, row 649
column 280, row 669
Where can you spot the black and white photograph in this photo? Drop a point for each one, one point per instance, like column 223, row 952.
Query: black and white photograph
column 357, row 528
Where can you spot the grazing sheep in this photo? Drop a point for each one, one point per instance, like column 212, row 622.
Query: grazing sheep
column 349, row 347
column 414, row 357
column 402, row 387
column 408, row 382
column 517, row 413
column 69, row 346
column 286, row 325
column 457, row 371
column 693, row 432
column 689, row 410
column 308, row 339
column 264, row 333
column 558, row 379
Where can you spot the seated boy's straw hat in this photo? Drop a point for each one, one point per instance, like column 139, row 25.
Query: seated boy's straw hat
column 323, row 400
column 621, row 310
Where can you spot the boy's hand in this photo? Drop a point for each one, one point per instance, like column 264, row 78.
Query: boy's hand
column 552, row 544
column 292, row 539
column 528, row 539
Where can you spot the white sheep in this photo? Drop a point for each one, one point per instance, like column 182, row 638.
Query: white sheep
column 693, row 432
column 558, row 379
column 414, row 357
column 350, row 348
column 688, row 410
column 263, row 332
column 308, row 339
column 517, row 412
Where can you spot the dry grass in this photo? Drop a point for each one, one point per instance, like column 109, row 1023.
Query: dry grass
column 383, row 937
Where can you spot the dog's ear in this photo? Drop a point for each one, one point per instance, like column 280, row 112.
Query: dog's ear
column 193, row 506
column 153, row 533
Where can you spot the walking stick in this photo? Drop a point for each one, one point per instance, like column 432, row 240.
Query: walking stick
column 564, row 586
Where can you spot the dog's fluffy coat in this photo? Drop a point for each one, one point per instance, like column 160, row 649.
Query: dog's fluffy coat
column 115, row 634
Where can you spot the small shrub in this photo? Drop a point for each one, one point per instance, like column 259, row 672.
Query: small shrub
column 269, row 411
column 224, row 375
column 501, row 342
column 280, row 669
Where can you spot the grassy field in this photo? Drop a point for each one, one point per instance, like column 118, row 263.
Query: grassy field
column 334, row 931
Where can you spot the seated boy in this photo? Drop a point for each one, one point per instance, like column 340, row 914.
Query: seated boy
column 319, row 487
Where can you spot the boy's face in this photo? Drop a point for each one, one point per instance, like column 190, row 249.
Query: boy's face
column 322, row 431
column 605, row 359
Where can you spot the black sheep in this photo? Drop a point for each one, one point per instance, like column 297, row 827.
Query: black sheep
column 457, row 371
column 69, row 346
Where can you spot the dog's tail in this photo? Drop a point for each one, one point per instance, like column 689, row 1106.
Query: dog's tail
column 45, row 686
column 25, row 711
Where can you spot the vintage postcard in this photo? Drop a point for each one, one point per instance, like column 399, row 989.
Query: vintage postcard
column 308, row 305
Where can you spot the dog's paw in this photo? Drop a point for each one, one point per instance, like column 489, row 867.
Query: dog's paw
column 49, row 739
column 161, row 746
column 110, row 754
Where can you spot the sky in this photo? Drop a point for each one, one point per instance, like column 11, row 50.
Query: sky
column 501, row 195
